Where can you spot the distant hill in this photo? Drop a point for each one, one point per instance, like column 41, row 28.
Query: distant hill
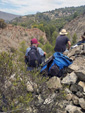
column 7, row 16
column 51, row 22
column 67, row 13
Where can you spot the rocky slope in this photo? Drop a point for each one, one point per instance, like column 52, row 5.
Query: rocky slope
column 76, row 26
column 62, row 95
column 12, row 36
column 57, row 95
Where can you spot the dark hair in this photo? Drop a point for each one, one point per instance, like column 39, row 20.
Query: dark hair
column 31, row 42
column 84, row 33
column 83, row 36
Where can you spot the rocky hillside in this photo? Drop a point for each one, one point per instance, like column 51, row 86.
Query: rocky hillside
column 50, row 94
column 65, row 94
column 12, row 36
column 76, row 26
column 7, row 16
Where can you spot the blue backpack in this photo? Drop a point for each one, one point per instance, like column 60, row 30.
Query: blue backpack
column 56, row 64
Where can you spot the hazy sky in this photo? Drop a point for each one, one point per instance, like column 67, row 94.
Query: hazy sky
column 25, row 7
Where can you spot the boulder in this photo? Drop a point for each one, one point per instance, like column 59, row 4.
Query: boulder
column 75, row 100
column 82, row 103
column 75, row 51
column 54, row 83
column 73, row 67
column 75, row 88
column 82, row 84
column 81, row 75
column 73, row 109
column 70, row 79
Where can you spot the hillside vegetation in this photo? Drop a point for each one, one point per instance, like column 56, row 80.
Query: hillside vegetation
column 50, row 22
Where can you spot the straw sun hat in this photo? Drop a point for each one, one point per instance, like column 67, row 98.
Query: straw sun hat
column 63, row 32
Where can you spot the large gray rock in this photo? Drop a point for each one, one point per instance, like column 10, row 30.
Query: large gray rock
column 73, row 67
column 81, row 75
column 79, row 94
column 73, row 109
column 82, row 84
column 82, row 103
column 70, row 79
column 75, row 51
column 54, row 83
column 75, row 100
column 75, row 88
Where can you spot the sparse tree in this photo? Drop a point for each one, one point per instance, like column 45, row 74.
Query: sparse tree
column 2, row 23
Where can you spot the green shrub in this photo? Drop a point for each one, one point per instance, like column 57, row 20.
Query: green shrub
column 41, row 40
column 6, row 64
column 2, row 23
column 48, row 48
column 74, row 39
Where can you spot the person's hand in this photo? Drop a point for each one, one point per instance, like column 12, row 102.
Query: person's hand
column 45, row 53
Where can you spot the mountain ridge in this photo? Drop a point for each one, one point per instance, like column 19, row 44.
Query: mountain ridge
column 50, row 15
column 7, row 16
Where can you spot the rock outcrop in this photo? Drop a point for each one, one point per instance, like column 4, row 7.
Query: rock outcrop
column 12, row 36
column 76, row 26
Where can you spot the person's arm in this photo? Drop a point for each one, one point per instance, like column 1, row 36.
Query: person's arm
column 69, row 45
column 42, row 53
column 28, row 49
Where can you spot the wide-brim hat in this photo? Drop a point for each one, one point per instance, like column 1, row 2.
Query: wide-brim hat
column 34, row 41
column 63, row 32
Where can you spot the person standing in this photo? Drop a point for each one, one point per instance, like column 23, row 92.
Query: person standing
column 61, row 42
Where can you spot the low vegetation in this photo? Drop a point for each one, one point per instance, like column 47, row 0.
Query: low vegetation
column 2, row 23
column 14, row 96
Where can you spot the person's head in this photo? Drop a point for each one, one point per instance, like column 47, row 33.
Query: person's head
column 34, row 42
column 63, row 32
column 83, row 36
